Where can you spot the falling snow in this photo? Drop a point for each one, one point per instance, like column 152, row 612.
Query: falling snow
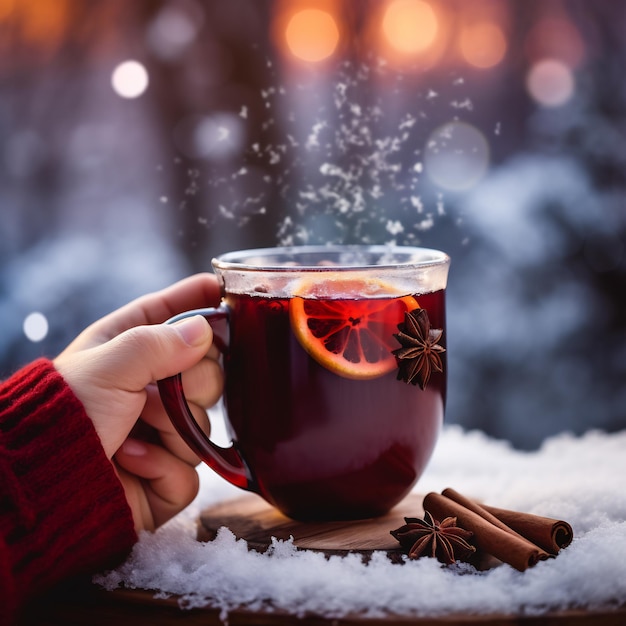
column 344, row 166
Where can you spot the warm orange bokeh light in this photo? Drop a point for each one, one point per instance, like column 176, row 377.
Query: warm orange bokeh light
column 312, row 35
column 556, row 38
column 483, row 44
column 410, row 26
column 6, row 8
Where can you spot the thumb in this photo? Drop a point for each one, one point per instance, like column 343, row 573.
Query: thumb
column 147, row 353
column 110, row 379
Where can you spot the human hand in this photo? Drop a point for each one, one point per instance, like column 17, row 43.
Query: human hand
column 112, row 367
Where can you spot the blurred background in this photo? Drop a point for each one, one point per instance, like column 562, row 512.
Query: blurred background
column 139, row 139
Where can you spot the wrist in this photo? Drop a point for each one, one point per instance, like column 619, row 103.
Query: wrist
column 69, row 511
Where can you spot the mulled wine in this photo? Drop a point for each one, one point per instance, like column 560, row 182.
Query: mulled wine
column 322, row 445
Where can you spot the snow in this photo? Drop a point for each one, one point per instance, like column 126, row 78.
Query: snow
column 569, row 477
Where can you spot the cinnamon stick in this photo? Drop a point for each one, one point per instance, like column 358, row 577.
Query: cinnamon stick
column 475, row 507
column 549, row 534
column 494, row 538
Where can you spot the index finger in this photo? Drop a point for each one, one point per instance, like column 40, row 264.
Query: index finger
column 194, row 292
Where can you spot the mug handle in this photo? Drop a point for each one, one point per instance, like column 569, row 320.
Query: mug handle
column 227, row 462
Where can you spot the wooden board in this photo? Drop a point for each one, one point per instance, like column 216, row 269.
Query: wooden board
column 249, row 517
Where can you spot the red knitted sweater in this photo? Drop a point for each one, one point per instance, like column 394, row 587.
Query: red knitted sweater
column 62, row 508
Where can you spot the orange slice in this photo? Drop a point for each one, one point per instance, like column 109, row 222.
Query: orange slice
column 348, row 325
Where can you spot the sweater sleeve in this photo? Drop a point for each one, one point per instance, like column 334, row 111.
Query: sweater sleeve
column 62, row 508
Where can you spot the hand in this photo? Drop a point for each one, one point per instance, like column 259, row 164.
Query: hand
column 112, row 368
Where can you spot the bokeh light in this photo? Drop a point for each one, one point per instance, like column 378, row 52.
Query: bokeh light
column 129, row 79
column 556, row 38
column 216, row 137
column 6, row 8
column 410, row 26
column 483, row 44
column 456, row 156
column 409, row 35
column 174, row 29
column 311, row 35
column 35, row 326
column 550, row 82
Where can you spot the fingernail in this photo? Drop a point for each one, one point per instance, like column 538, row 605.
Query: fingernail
column 193, row 330
column 134, row 447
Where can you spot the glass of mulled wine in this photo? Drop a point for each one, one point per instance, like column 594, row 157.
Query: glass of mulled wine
column 335, row 375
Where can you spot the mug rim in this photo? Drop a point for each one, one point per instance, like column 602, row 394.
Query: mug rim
column 227, row 260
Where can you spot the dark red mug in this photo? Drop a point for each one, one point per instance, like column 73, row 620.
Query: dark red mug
column 335, row 375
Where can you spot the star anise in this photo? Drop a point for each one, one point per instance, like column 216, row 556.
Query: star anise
column 444, row 540
column 419, row 355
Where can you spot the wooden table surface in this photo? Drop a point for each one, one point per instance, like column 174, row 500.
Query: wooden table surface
column 80, row 603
